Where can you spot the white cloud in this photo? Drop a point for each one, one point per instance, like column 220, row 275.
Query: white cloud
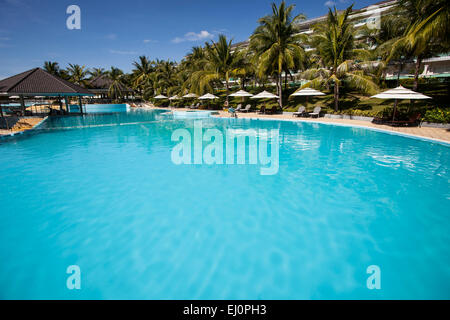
column 192, row 36
column 4, row 42
column 111, row 36
column 123, row 52
column 149, row 41
column 330, row 3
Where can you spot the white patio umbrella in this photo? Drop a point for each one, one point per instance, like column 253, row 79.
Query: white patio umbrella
column 400, row 93
column 175, row 97
column 190, row 95
column 208, row 96
column 264, row 95
column 160, row 96
column 14, row 97
column 241, row 93
column 307, row 92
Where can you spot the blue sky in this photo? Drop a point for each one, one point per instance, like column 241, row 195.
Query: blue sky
column 117, row 32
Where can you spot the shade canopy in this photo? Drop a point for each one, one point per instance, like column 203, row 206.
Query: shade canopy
column 264, row 95
column 190, row 95
column 160, row 96
column 39, row 82
column 241, row 93
column 14, row 97
column 307, row 92
column 175, row 97
column 400, row 93
column 208, row 96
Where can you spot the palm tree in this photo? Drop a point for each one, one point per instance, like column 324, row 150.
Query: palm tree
column 166, row 74
column 423, row 32
column 77, row 74
column 276, row 43
column 193, row 62
column 52, row 67
column 335, row 45
column 221, row 61
column 247, row 70
column 116, row 86
column 392, row 27
column 97, row 72
column 142, row 74
column 434, row 23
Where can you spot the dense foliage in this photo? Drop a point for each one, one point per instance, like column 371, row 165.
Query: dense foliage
column 338, row 58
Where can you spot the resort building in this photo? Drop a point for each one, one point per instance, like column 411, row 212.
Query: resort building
column 39, row 83
column 434, row 67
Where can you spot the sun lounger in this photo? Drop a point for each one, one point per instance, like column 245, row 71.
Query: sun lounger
column 316, row 112
column 272, row 110
column 196, row 106
column 238, row 108
column 300, row 112
column 413, row 120
column 380, row 120
column 262, row 110
column 246, row 109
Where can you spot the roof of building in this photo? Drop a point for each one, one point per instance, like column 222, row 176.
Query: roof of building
column 103, row 82
column 39, row 82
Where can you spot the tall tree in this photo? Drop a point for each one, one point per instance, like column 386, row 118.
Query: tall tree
column 221, row 61
column 97, row 72
column 334, row 41
column 143, row 75
column 77, row 74
column 116, row 86
column 276, row 42
column 52, row 68
column 434, row 22
column 424, row 32
column 166, row 76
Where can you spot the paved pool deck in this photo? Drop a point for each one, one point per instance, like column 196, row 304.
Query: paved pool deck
column 21, row 125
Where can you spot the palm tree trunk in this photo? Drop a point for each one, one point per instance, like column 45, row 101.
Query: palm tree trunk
column 280, row 93
column 228, row 89
column 336, row 96
column 416, row 73
column 285, row 80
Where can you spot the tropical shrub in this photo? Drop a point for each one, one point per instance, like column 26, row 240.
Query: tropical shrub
column 437, row 115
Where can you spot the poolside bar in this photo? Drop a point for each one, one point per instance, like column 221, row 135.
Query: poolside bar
column 38, row 82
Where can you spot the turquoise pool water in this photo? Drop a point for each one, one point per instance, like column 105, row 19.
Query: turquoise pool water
column 101, row 108
column 101, row 192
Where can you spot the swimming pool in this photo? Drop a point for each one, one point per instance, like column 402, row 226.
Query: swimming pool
column 101, row 108
column 193, row 114
column 101, row 192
